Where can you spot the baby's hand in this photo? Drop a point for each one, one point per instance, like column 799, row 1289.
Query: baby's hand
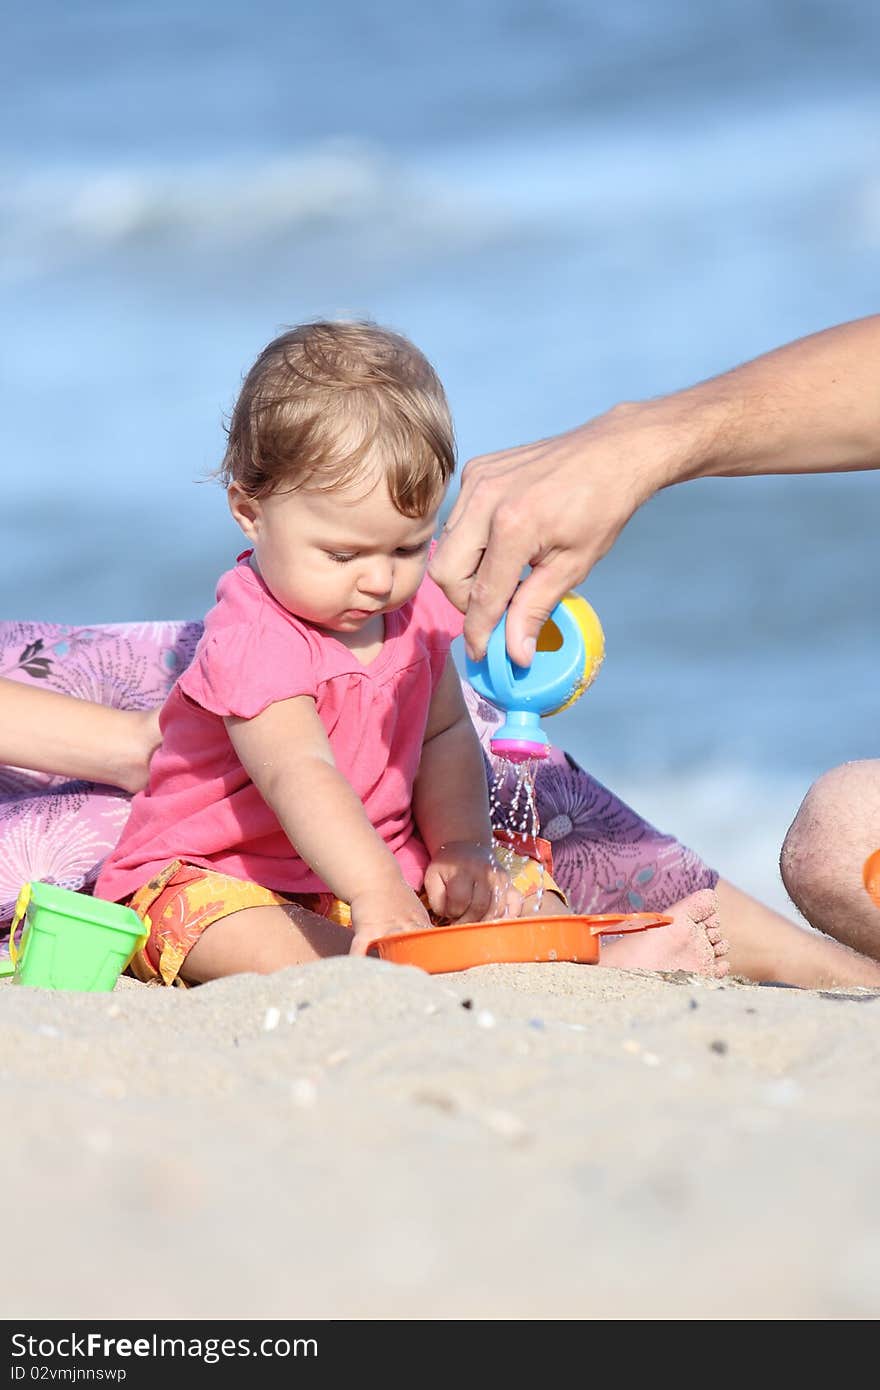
column 380, row 911
column 465, row 883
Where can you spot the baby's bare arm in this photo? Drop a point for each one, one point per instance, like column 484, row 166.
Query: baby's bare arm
column 287, row 754
column 450, row 798
column 464, row 881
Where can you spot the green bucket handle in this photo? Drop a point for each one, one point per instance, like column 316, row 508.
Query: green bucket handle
column 9, row 967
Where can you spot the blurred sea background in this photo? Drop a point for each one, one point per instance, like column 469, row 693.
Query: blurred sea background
column 565, row 203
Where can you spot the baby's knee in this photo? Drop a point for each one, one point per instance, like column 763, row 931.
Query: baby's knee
column 831, row 833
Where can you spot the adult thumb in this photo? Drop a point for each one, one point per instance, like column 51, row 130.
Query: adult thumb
column 529, row 610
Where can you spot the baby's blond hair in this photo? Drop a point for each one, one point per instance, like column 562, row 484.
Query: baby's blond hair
column 324, row 395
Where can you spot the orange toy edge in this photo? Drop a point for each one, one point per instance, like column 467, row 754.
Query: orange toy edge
column 601, row 924
column 871, row 876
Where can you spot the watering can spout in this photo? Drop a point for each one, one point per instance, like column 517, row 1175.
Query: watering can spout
column 520, row 738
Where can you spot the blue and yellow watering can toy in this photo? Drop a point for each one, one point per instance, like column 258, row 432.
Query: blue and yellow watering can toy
column 570, row 650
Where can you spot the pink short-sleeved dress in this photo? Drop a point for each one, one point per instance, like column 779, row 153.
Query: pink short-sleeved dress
column 202, row 807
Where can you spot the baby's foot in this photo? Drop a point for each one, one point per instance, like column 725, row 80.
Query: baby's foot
column 692, row 941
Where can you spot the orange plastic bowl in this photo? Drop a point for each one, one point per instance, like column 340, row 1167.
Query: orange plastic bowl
column 510, row 941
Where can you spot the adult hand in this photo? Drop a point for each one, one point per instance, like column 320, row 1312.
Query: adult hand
column 556, row 505
column 810, row 406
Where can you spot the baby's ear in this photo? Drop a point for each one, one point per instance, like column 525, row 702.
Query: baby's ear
column 245, row 509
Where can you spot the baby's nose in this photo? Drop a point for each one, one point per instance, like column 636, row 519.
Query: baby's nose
column 377, row 578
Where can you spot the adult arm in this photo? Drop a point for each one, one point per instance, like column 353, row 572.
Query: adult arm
column 559, row 504
column 50, row 732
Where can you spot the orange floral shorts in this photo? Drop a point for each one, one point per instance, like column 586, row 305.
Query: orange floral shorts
column 182, row 900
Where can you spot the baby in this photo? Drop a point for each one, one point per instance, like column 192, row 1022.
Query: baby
column 320, row 782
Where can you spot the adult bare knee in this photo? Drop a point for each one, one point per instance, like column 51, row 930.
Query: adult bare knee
column 837, row 826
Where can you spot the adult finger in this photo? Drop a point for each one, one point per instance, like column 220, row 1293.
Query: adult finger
column 453, row 568
column 534, row 601
column 477, row 473
column 458, row 554
column 508, row 550
column 466, row 532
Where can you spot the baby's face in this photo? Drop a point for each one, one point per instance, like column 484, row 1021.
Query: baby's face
column 340, row 557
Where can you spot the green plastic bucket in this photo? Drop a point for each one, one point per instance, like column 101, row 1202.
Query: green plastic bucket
column 70, row 940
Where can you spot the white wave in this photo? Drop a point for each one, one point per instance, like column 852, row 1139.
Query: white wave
column 597, row 177
column 55, row 216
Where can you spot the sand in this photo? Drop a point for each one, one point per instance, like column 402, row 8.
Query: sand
column 356, row 1139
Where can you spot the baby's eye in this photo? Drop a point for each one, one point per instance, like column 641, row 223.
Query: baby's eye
column 413, row 549
column 339, row 557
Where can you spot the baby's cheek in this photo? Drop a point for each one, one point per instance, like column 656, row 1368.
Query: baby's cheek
column 411, row 578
